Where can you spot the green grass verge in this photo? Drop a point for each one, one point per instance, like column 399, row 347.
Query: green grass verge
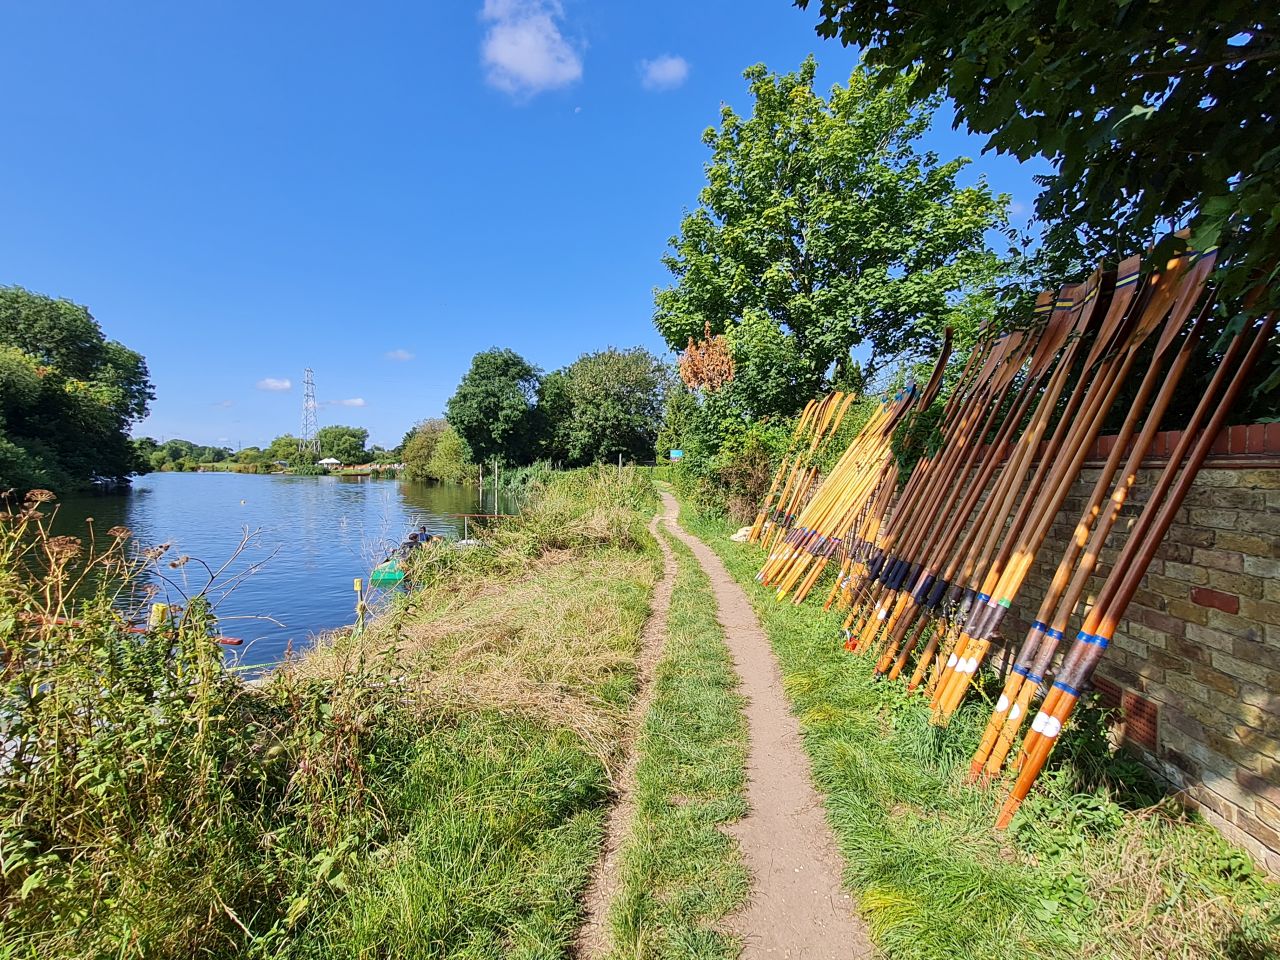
column 1087, row 870
column 680, row 872
column 502, row 824
column 499, row 807
column 433, row 786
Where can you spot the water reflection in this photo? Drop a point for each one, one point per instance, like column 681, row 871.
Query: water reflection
column 311, row 537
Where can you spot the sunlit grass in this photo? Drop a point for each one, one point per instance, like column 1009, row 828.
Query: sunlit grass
column 432, row 787
column 681, row 874
column 1089, row 869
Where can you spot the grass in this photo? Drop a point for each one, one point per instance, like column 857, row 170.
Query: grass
column 680, row 873
column 432, row 787
column 1089, row 868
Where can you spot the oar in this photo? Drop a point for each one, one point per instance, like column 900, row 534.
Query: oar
column 1132, row 564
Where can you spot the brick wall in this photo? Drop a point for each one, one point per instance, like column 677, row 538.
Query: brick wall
column 1197, row 659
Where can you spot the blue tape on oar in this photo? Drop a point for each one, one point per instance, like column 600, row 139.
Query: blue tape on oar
column 1054, row 634
column 1067, row 688
column 1021, row 671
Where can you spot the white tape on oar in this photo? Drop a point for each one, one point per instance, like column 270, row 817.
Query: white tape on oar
column 1046, row 725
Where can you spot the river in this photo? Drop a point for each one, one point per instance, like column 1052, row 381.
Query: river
column 310, row 537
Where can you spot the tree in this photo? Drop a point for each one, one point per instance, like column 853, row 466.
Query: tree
column 449, row 462
column 822, row 228
column 283, row 449
column 344, row 444
column 68, row 396
column 612, row 404
column 494, row 408
column 418, row 446
column 1153, row 114
column 554, row 412
column 680, row 421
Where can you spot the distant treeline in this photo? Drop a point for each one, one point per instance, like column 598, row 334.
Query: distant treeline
column 348, row 445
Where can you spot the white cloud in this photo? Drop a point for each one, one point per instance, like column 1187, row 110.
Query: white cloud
column 399, row 354
column 524, row 51
column 276, row 384
column 223, row 403
column 663, row 73
column 352, row 402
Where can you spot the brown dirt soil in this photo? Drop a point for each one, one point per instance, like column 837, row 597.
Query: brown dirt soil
column 797, row 908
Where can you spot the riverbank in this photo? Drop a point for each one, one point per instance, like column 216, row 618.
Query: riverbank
column 434, row 786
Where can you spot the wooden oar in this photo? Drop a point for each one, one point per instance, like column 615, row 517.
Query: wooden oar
column 1134, row 559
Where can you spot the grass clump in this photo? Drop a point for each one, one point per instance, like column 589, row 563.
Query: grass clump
column 680, row 873
column 1095, row 865
column 431, row 787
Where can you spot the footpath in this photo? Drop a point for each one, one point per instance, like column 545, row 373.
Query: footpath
column 797, row 907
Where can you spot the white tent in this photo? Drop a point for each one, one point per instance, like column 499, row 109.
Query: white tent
column 330, row 462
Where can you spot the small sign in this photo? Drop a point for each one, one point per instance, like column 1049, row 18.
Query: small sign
column 677, row 455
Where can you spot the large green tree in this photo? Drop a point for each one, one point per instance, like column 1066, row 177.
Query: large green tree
column 605, row 404
column 824, row 227
column 494, row 409
column 345, row 444
column 68, row 395
column 1154, row 114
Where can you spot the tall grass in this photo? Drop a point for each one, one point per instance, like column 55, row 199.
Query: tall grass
column 430, row 787
column 1096, row 864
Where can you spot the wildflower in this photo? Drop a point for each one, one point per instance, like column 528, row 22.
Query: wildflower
column 39, row 496
column 180, row 562
column 156, row 552
column 120, row 533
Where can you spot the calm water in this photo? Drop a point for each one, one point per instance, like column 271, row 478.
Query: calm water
column 312, row 537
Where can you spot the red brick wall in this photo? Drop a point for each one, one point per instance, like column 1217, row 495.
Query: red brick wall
column 1201, row 640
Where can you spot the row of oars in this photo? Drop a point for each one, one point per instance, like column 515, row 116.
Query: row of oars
column 794, row 479
column 852, row 500
column 939, row 572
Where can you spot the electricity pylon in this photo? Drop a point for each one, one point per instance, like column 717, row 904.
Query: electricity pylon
column 309, row 441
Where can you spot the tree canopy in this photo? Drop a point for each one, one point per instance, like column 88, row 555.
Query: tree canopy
column 344, row 444
column 178, row 454
column 432, row 450
column 68, row 395
column 494, row 409
column 1153, row 114
column 605, row 404
column 823, row 228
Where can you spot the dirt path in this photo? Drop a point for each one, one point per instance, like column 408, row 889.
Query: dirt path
column 797, row 907
column 593, row 936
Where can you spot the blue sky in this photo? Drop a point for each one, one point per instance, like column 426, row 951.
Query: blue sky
column 241, row 189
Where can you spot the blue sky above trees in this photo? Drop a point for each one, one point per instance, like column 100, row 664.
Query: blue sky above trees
column 378, row 191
